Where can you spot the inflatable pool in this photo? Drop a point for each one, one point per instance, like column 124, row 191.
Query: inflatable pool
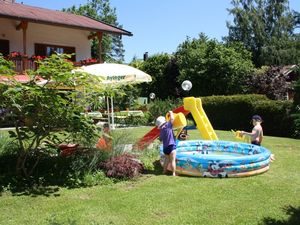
column 220, row 158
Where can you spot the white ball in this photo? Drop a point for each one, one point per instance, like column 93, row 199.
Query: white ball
column 152, row 96
column 186, row 85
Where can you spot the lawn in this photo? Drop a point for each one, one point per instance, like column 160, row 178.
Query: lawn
column 269, row 198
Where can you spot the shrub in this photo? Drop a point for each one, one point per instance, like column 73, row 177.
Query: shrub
column 120, row 138
column 296, row 117
column 148, row 156
column 7, row 146
column 296, row 107
column 124, row 166
column 230, row 112
column 159, row 107
column 79, row 169
column 277, row 117
column 96, row 178
column 46, row 109
column 235, row 112
column 132, row 120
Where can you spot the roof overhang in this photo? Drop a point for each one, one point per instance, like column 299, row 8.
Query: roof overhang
column 56, row 18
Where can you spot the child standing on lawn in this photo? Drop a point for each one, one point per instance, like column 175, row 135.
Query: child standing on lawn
column 167, row 137
column 257, row 132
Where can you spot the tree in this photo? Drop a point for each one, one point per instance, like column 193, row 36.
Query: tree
column 268, row 81
column 112, row 46
column 266, row 28
column 297, row 19
column 6, row 67
column 296, row 105
column 164, row 72
column 212, row 67
column 46, row 112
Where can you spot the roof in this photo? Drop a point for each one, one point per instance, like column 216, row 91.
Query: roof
column 287, row 69
column 57, row 18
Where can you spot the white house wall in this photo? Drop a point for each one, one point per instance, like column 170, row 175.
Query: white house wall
column 45, row 34
column 8, row 32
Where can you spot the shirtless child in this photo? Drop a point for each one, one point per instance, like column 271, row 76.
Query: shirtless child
column 257, row 133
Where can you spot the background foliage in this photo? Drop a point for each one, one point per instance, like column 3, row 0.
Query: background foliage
column 212, row 67
column 40, row 111
column 235, row 112
column 112, row 46
column 164, row 72
column 269, row 81
column 266, row 28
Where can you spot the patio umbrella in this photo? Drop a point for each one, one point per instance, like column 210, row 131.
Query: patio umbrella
column 116, row 74
column 113, row 73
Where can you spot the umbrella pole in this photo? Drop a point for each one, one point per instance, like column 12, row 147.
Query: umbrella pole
column 108, row 114
column 112, row 113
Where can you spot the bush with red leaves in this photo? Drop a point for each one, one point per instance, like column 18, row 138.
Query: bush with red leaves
column 124, row 166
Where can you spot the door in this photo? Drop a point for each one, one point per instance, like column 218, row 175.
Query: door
column 4, row 47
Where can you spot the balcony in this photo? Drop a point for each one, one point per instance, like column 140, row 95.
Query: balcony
column 22, row 63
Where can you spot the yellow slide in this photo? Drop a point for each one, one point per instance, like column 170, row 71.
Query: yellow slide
column 206, row 130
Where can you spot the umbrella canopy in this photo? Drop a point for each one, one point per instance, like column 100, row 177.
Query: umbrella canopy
column 113, row 73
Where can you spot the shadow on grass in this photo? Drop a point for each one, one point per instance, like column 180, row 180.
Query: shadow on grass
column 294, row 217
column 51, row 174
column 20, row 187
column 30, row 187
column 54, row 221
column 157, row 169
column 70, row 221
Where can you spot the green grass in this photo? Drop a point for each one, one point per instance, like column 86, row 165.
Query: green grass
column 269, row 198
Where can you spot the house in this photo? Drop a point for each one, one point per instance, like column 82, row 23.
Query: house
column 290, row 74
column 27, row 31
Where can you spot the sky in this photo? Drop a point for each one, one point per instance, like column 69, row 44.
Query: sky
column 160, row 26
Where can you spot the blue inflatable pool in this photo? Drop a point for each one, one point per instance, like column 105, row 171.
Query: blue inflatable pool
column 220, row 158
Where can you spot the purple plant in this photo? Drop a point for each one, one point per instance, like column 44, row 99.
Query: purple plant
column 124, row 166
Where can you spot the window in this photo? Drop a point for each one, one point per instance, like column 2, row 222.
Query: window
column 4, row 47
column 47, row 50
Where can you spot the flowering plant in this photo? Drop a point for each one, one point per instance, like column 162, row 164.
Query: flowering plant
column 14, row 54
column 88, row 61
column 37, row 57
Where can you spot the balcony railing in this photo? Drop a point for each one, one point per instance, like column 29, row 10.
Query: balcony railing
column 24, row 63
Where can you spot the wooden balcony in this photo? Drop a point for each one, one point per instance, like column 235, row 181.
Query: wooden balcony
column 24, row 63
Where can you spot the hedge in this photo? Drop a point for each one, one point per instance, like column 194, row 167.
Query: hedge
column 235, row 112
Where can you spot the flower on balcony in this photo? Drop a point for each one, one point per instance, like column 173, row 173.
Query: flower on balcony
column 37, row 57
column 17, row 55
column 88, row 61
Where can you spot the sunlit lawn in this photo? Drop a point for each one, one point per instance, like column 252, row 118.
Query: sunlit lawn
column 270, row 198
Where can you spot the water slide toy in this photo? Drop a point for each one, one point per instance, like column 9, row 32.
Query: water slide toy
column 154, row 132
column 191, row 105
column 194, row 105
